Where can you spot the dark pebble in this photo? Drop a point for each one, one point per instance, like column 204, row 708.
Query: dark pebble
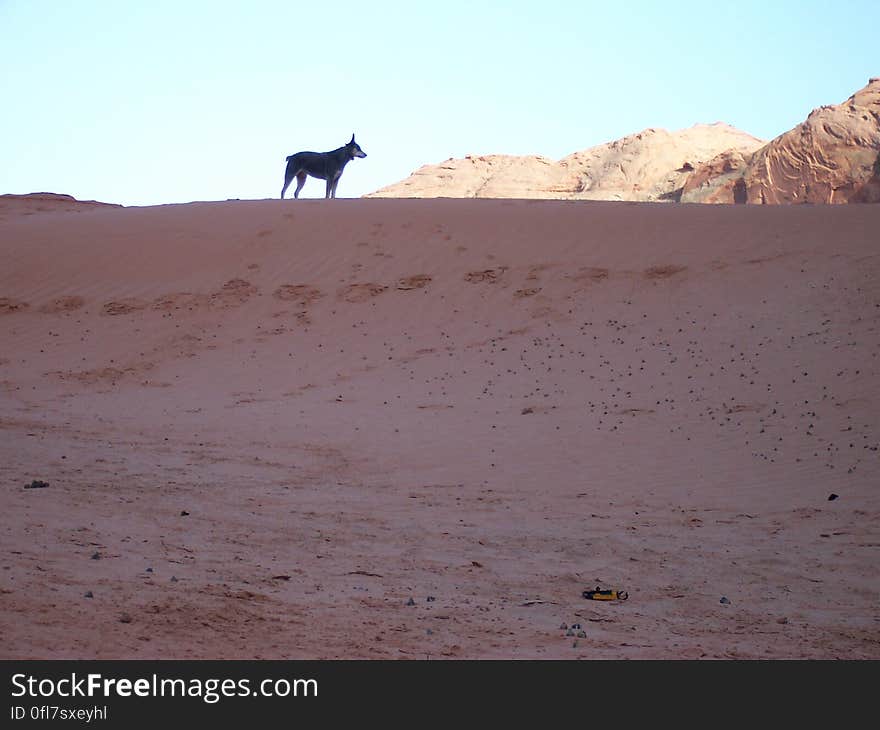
column 724, row 599
column 36, row 484
column 89, row 594
column 832, row 497
column 410, row 602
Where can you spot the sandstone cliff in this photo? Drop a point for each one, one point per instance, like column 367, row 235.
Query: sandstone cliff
column 832, row 157
column 650, row 165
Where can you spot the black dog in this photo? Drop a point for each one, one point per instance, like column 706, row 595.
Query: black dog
column 322, row 165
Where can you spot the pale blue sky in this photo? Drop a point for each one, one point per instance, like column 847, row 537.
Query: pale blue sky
column 171, row 101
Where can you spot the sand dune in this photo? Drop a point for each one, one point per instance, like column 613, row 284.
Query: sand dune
column 266, row 426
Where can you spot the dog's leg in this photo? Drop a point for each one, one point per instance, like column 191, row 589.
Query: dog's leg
column 333, row 189
column 300, row 181
column 288, row 177
column 330, row 186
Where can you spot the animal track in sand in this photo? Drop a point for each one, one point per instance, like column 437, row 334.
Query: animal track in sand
column 589, row 274
column 104, row 375
column 547, row 312
column 489, row 276
column 418, row 281
column 535, row 271
column 302, row 294
column 521, row 293
column 439, row 230
column 299, row 391
column 765, row 259
column 179, row 300
column 63, row 304
column 183, row 345
column 417, row 354
column 8, row 306
column 233, row 293
column 663, row 272
column 123, row 306
column 357, row 293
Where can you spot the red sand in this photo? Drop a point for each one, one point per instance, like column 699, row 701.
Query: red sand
column 496, row 404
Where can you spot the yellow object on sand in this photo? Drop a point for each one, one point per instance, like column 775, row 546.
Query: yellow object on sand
column 608, row 595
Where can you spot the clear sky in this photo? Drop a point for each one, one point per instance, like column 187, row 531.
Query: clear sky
column 170, row 101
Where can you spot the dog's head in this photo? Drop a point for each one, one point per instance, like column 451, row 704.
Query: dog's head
column 355, row 149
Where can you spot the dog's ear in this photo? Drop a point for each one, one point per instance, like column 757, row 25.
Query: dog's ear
column 352, row 138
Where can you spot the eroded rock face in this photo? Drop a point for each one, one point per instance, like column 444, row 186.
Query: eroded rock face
column 31, row 203
column 869, row 192
column 487, row 176
column 655, row 164
column 718, row 181
column 832, row 157
column 650, row 165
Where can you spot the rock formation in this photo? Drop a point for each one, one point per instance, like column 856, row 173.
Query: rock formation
column 650, row 165
column 832, row 157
